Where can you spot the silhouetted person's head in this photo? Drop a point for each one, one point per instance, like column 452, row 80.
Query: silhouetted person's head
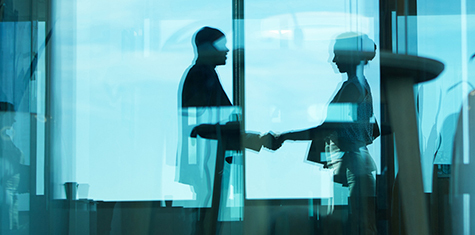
column 353, row 49
column 211, row 46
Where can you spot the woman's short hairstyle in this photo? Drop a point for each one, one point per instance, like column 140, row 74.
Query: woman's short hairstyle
column 356, row 44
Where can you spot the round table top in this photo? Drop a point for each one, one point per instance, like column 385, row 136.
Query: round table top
column 420, row 69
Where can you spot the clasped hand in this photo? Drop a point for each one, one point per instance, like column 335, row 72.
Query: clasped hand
column 272, row 141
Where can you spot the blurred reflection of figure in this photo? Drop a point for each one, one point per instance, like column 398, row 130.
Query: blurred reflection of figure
column 345, row 141
column 11, row 158
column 204, row 101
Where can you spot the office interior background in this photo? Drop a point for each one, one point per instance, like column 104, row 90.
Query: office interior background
column 95, row 89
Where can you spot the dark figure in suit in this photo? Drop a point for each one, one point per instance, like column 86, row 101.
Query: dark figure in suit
column 204, row 104
column 345, row 141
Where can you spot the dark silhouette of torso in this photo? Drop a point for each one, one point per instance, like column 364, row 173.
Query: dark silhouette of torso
column 202, row 88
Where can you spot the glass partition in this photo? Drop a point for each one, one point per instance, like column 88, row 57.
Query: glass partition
column 235, row 117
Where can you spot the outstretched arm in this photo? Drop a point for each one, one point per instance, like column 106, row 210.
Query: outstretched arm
column 318, row 132
column 230, row 134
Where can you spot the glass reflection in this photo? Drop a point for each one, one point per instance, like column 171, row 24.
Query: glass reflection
column 344, row 142
column 211, row 134
column 12, row 160
column 109, row 82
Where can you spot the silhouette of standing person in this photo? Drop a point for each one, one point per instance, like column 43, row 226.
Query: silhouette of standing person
column 10, row 159
column 345, row 141
column 203, row 103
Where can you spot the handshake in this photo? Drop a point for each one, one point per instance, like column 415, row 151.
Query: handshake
column 272, row 141
column 230, row 133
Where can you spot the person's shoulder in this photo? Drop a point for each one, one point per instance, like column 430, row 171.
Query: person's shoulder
column 350, row 92
column 201, row 68
column 351, row 86
column 194, row 69
column 198, row 72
